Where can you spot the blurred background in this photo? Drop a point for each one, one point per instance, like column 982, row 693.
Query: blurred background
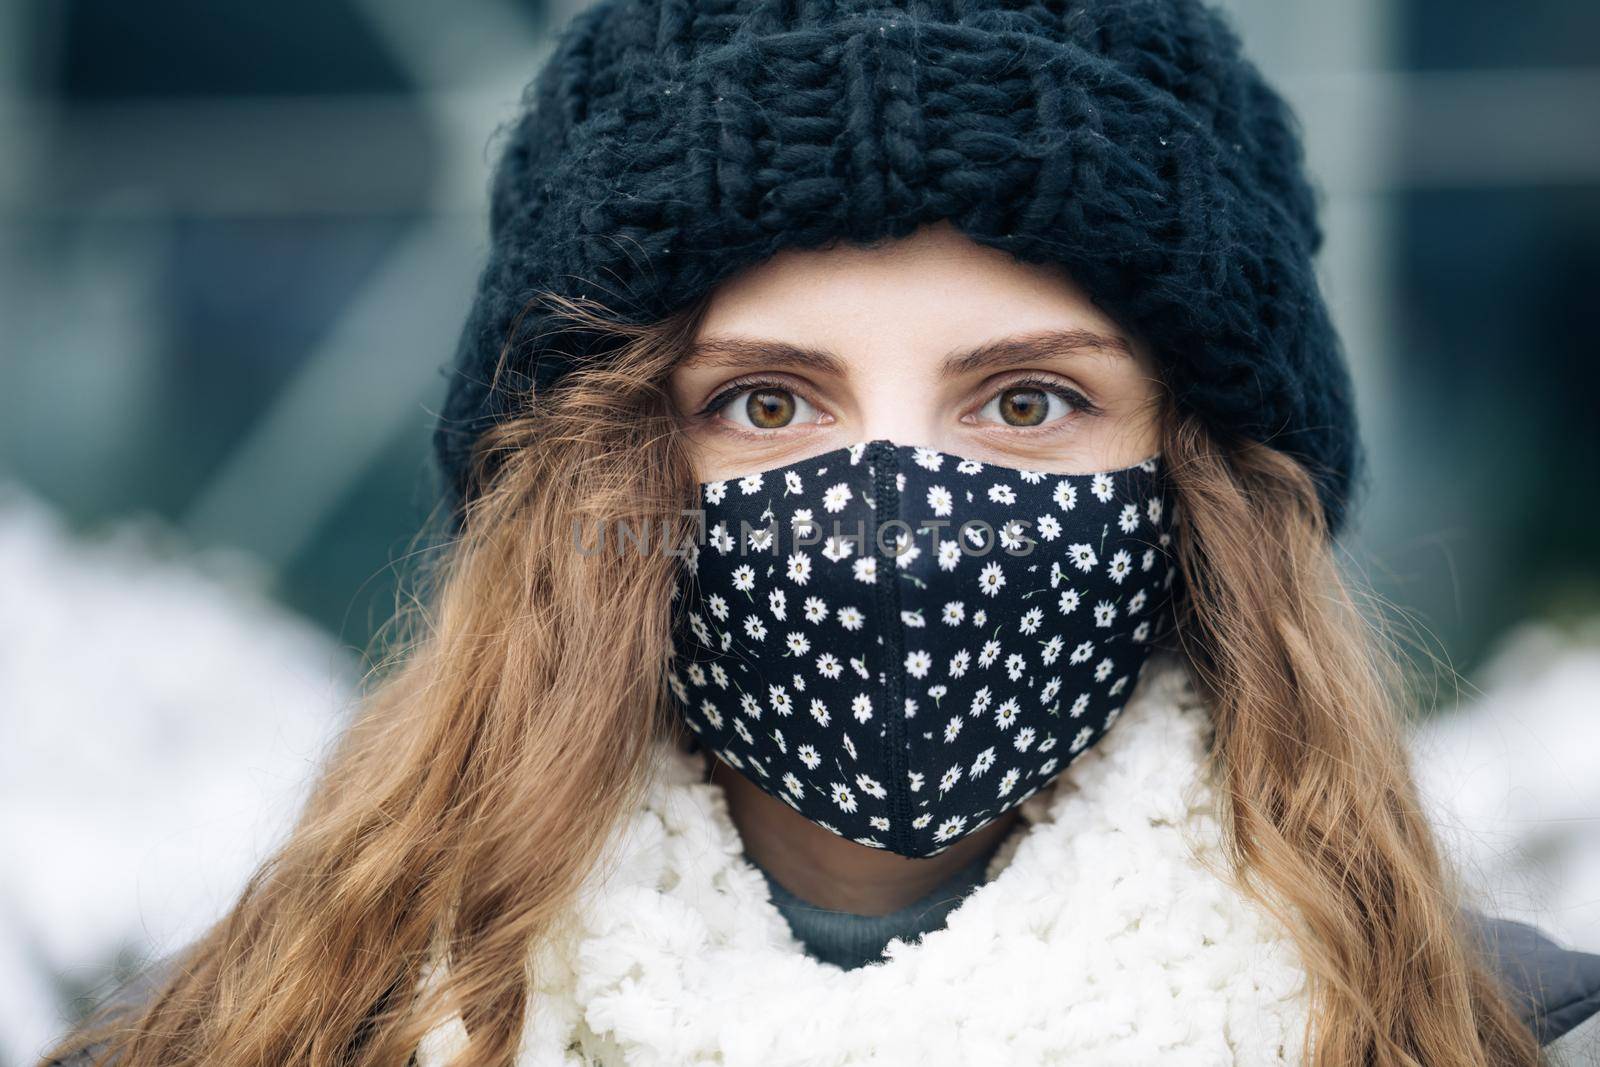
column 236, row 245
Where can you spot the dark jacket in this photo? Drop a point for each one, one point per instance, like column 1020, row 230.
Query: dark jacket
column 1556, row 990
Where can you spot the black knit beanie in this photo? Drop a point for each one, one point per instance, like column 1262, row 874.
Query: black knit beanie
column 667, row 144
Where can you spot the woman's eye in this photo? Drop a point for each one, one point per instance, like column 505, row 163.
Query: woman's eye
column 1027, row 405
column 766, row 408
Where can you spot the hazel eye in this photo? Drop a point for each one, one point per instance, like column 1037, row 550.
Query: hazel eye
column 766, row 408
column 1027, row 405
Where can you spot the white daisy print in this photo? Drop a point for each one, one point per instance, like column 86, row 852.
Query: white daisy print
column 980, row 702
column 1062, row 600
column 836, row 548
column 991, row 579
column 1121, row 565
column 959, row 663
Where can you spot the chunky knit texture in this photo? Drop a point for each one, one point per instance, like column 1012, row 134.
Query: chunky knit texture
column 668, row 144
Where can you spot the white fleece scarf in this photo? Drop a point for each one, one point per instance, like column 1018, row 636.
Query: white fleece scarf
column 1101, row 936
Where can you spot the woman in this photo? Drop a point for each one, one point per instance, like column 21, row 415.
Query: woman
column 1082, row 752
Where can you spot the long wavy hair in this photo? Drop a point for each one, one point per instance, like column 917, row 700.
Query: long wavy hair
column 504, row 734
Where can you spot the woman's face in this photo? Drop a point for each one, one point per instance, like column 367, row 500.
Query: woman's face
column 931, row 340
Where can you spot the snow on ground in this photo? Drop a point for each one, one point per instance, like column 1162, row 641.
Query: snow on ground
column 1513, row 775
column 162, row 716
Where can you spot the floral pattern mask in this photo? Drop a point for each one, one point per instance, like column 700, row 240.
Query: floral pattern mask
column 903, row 644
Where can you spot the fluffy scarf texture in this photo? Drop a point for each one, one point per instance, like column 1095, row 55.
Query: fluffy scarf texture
column 1108, row 933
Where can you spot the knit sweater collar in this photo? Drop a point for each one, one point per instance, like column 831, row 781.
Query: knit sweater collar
column 1106, row 932
column 850, row 940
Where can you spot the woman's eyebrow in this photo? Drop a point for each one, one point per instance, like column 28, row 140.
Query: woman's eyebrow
column 991, row 355
column 1025, row 348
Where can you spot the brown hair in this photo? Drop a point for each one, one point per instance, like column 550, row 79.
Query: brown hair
column 507, row 732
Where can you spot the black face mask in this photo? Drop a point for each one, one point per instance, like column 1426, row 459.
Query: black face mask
column 902, row 644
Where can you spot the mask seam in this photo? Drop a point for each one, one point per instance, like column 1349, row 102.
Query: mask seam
column 886, row 500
